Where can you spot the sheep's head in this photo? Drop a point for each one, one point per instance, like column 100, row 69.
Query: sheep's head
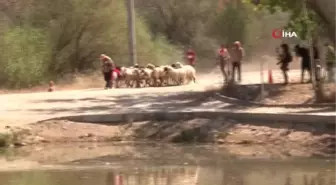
column 123, row 71
column 136, row 66
column 136, row 71
column 144, row 72
column 178, row 65
column 150, row 66
column 168, row 69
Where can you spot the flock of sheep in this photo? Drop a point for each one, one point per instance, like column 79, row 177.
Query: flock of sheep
column 156, row 76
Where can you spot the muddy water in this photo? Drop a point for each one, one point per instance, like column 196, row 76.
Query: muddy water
column 156, row 165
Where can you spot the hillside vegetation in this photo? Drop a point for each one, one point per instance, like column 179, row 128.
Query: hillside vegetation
column 44, row 40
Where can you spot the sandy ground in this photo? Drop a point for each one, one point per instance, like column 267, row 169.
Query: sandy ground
column 20, row 109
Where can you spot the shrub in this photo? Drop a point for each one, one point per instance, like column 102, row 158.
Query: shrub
column 24, row 57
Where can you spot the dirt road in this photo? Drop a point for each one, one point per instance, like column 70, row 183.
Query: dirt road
column 19, row 109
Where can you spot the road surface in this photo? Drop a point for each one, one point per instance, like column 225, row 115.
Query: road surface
column 19, row 109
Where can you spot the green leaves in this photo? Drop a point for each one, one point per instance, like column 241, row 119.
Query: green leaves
column 299, row 22
column 62, row 36
column 24, row 57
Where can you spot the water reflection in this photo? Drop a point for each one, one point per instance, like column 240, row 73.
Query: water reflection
column 182, row 175
column 158, row 165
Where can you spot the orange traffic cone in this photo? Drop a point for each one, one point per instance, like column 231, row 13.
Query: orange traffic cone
column 270, row 77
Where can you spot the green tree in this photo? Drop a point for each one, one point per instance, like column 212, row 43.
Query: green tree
column 46, row 39
column 24, row 55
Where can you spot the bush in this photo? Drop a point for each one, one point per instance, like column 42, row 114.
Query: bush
column 5, row 140
column 68, row 36
column 24, row 57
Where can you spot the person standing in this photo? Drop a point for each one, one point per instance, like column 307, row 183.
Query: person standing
column 284, row 59
column 191, row 57
column 303, row 53
column 223, row 58
column 107, row 68
column 330, row 61
column 237, row 55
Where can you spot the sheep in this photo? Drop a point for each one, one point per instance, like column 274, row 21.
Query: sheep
column 151, row 75
column 129, row 75
column 178, row 65
column 150, row 66
column 158, row 76
column 190, row 71
column 140, row 77
column 178, row 76
column 146, row 76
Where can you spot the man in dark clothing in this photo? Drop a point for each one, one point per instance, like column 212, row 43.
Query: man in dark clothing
column 284, row 59
column 237, row 54
column 303, row 53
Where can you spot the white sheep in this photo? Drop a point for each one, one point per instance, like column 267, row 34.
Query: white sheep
column 178, row 76
column 129, row 75
column 146, row 76
column 158, row 76
column 190, row 71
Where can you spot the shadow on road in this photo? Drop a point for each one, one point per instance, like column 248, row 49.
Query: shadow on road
column 113, row 103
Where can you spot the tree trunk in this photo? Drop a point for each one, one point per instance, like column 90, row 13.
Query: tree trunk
column 316, row 73
column 325, row 9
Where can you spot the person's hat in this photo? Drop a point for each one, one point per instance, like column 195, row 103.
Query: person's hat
column 103, row 56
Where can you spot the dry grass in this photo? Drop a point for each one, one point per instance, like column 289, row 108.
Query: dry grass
column 71, row 82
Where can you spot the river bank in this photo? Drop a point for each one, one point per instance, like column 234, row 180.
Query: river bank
column 244, row 139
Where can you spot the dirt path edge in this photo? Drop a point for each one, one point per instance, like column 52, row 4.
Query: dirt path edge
column 180, row 115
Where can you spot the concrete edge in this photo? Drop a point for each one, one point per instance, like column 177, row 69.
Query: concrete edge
column 184, row 115
column 231, row 100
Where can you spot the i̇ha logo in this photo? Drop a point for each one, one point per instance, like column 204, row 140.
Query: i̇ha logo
column 279, row 33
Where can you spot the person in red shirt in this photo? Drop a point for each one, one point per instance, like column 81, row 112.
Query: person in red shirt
column 115, row 75
column 223, row 57
column 191, row 57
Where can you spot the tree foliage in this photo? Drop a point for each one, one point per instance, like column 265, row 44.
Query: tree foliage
column 200, row 24
column 305, row 16
column 46, row 39
column 231, row 24
column 24, row 52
